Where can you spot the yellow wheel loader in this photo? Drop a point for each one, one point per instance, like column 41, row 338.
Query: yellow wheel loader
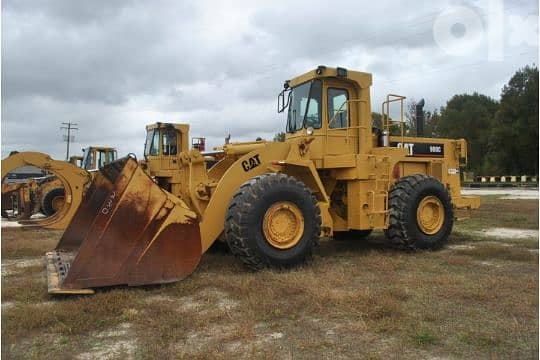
column 58, row 195
column 52, row 192
column 269, row 201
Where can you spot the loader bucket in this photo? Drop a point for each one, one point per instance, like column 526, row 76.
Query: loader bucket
column 127, row 231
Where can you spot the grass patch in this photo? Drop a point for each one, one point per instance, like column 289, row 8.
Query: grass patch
column 27, row 289
column 424, row 337
column 28, row 242
column 494, row 212
column 69, row 316
column 355, row 299
column 487, row 252
column 527, row 243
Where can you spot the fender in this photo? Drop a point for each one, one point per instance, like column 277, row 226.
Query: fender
column 264, row 160
column 257, row 162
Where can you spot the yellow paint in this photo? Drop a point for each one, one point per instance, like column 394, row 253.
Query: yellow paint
column 430, row 215
column 283, row 225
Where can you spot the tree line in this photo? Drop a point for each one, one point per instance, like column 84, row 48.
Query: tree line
column 502, row 135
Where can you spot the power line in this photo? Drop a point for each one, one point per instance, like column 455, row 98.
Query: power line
column 68, row 138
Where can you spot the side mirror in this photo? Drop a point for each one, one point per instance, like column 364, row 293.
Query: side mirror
column 282, row 105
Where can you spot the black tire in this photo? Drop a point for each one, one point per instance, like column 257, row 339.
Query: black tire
column 47, row 202
column 404, row 198
column 352, row 234
column 244, row 221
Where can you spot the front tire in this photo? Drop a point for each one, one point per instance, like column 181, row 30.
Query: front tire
column 421, row 213
column 273, row 220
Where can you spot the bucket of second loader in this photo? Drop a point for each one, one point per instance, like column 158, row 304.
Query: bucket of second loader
column 127, row 231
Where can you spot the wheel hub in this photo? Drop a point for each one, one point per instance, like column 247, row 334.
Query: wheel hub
column 430, row 215
column 57, row 203
column 283, row 225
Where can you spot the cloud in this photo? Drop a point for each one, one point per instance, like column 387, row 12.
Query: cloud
column 115, row 66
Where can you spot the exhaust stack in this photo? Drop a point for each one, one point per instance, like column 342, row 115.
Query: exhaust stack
column 420, row 118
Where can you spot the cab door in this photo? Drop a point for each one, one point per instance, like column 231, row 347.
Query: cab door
column 169, row 148
column 341, row 118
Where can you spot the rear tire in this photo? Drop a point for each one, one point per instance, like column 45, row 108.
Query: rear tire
column 273, row 220
column 421, row 213
column 50, row 199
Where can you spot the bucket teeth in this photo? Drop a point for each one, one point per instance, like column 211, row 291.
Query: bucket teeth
column 58, row 263
column 61, row 265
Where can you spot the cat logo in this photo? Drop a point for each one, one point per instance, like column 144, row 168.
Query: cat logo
column 421, row 149
column 251, row 163
column 407, row 146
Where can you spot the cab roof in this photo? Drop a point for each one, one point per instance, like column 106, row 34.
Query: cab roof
column 102, row 148
column 181, row 127
column 364, row 80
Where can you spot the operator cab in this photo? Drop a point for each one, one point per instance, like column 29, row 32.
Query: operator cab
column 305, row 107
column 164, row 139
column 164, row 144
column 95, row 157
column 333, row 106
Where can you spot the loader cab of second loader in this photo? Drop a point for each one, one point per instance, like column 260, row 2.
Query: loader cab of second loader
column 163, row 145
column 331, row 105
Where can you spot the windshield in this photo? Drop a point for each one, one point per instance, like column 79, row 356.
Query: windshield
column 305, row 106
column 87, row 159
column 151, row 146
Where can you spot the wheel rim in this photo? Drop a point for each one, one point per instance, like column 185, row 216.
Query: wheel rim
column 283, row 225
column 430, row 215
column 57, row 203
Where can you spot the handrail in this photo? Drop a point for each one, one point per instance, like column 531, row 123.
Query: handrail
column 386, row 122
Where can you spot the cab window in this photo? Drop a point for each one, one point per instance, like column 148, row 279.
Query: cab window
column 305, row 106
column 313, row 112
column 100, row 159
column 338, row 116
column 152, row 143
column 169, row 142
column 105, row 157
column 87, row 160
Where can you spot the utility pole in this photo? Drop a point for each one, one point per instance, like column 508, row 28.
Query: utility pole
column 67, row 138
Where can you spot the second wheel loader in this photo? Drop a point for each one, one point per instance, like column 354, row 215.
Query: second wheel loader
column 58, row 194
column 269, row 201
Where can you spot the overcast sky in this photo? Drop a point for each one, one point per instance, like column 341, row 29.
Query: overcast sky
column 113, row 66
